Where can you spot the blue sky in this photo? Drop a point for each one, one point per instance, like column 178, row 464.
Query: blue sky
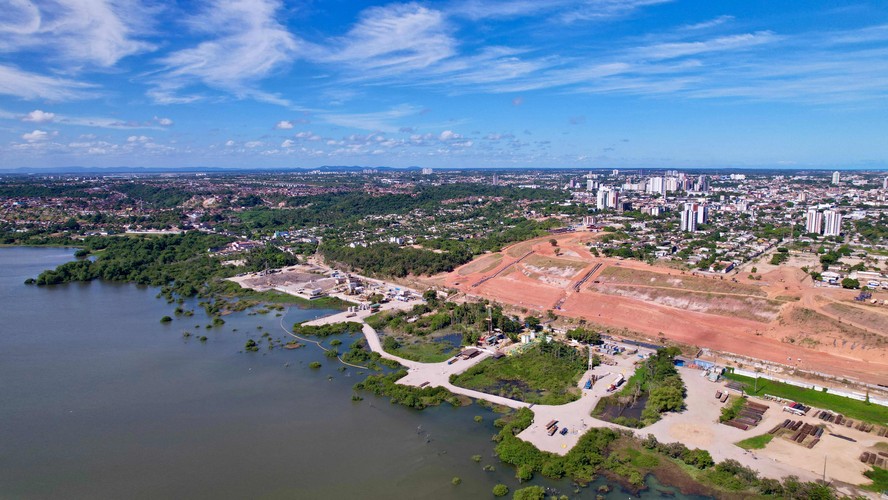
column 462, row 83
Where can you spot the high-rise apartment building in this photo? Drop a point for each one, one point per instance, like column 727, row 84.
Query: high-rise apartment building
column 813, row 221
column 836, row 177
column 832, row 223
column 688, row 220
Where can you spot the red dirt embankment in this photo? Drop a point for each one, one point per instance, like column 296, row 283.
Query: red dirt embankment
column 809, row 341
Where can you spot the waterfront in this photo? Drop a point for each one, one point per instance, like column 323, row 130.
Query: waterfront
column 101, row 400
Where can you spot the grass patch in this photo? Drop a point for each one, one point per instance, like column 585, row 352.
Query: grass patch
column 547, row 373
column 879, row 476
column 851, row 408
column 756, row 442
column 422, row 350
column 731, row 411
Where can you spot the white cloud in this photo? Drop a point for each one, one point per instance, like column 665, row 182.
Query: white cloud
column 248, row 45
column 449, row 135
column 229, row 143
column 138, row 138
column 308, row 136
column 393, row 39
column 35, row 136
column 26, row 85
column 76, row 32
column 593, row 10
column 377, row 121
column 163, row 122
column 253, row 144
column 288, row 143
column 681, row 49
column 718, row 21
column 38, row 116
column 284, row 125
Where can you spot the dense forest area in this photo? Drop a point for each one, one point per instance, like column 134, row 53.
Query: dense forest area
column 386, row 259
column 179, row 262
column 336, row 208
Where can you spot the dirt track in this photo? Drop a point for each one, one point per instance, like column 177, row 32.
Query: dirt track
column 797, row 337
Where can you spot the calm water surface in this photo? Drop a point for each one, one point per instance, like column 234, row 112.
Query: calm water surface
column 98, row 399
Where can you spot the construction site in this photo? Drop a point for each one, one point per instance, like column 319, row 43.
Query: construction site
column 780, row 321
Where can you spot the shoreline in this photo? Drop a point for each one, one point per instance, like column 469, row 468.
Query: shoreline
column 696, row 426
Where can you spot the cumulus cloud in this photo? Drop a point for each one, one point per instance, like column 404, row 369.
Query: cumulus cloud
column 35, row 136
column 284, row 125
column 138, row 138
column 38, row 116
column 449, row 135
column 229, row 143
column 308, row 136
column 163, row 122
column 288, row 143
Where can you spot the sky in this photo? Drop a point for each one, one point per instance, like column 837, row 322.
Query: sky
column 459, row 83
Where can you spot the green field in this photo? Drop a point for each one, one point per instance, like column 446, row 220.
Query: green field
column 423, row 350
column 755, row 442
column 851, row 408
column 544, row 374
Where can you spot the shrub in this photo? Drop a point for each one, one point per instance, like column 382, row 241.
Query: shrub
column 314, row 365
column 524, row 473
column 500, row 490
column 530, row 493
column 456, row 481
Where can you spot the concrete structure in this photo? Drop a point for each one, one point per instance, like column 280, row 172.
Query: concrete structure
column 688, row 220
column 832, row 223
column 836, row 177
column 813, row 221
column 702, row 214
column 607, row 198
column 656, row 185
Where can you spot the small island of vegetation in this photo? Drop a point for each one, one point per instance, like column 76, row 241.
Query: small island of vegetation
column 545, row 373
column 655, row 388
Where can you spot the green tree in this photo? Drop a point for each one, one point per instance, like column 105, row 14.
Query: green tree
column 524, row 473
column 850, row 283
column 530, row 493
column 500, row 490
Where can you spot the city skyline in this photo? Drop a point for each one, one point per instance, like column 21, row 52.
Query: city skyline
column 467, row 84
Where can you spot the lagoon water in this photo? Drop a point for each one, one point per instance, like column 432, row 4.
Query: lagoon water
column 98, row 399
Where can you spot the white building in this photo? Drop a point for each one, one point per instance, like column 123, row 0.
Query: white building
column 607, row 198
column 832, row 223
column 836, row 177
column 671, row 184
column 688, row 220
column 702, row 214
column 656, row 185
column 427, row 171
column 813, row 221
